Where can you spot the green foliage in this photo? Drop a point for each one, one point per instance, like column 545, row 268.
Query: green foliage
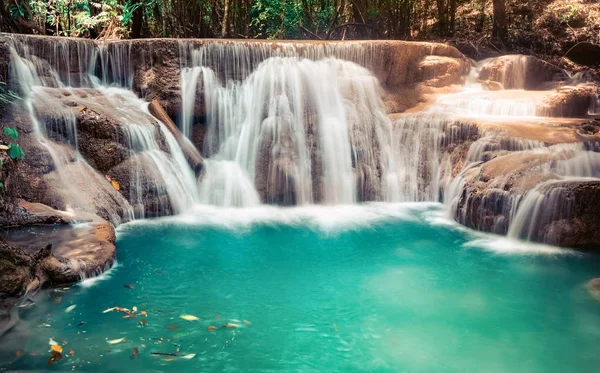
column 11, row 132
column 15, row 151
column 7, row 96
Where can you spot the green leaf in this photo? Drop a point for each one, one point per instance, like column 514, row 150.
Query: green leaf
column 1, row 186
column 16, row 152
column 12, row 132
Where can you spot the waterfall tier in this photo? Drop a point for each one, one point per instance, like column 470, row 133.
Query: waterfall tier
column 296, row 123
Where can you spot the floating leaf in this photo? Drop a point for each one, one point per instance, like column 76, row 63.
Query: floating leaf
column 55, row 356
column 135, row 353
column 144, row 322
column 134, row 309
column 56, row 348
column 143, row 313
column 19, row 352
column 109, row 310
column 70, row 308
column 247, row 322
column 232, row 326
column 115, row 185
column 173, row 327
column 189, row 317
column 211, row 328
column 189, row 356
column 115, row 341
column 71, row 352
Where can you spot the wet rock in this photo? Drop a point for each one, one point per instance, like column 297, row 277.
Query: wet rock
column 149, row 197
column 593, row 287
column 440, row 71
column 522, row 72
column 568, row 102
column 189, row 151
column 492, row 192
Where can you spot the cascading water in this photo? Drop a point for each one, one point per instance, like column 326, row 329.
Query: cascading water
column 301, row 131
column 51, row 86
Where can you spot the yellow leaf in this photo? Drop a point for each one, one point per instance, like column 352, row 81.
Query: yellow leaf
column 189, row 317
column 115, row 185
column 56, row 348
column 144, row 313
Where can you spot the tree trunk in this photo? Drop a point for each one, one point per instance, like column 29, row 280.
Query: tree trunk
column 136, row 24
column 500, row 29
column 226, row 15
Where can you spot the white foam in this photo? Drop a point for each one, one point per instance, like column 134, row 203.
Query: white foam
column 318, row 217
column 95, row 280
column 509, row 246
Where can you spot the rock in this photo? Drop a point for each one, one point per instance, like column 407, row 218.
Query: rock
column 585, row 53
column 522, row 72
column 568, row 102
column 593, row 287
column 491, row 193
column 440, row 71
column 191, row 153
column 149, row 198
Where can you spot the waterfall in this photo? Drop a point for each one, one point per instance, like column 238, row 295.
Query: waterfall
column 57, row 79
column 298, row 130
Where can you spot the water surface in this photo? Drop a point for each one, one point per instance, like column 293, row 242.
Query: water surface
column 371, row 288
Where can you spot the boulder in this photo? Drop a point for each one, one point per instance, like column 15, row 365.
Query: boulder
column 522, row 72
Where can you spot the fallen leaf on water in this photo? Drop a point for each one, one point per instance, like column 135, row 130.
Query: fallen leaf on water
column 115, row 185
column 144, row 322
column 56, row 348
column 55, row 356
column 115, row 341
column 134, row 309
column 189, row 317
column 129, row 286
column 188, row 356
column 19, row 352
column 70, row 308
column 143, row 313
column 52, row 342
column 247, row 322
column 135, row 353
column 71, row 352
column 231, row 326
column 211, row 328
column 130, row 316
column 173, row 327
column 109, row 310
